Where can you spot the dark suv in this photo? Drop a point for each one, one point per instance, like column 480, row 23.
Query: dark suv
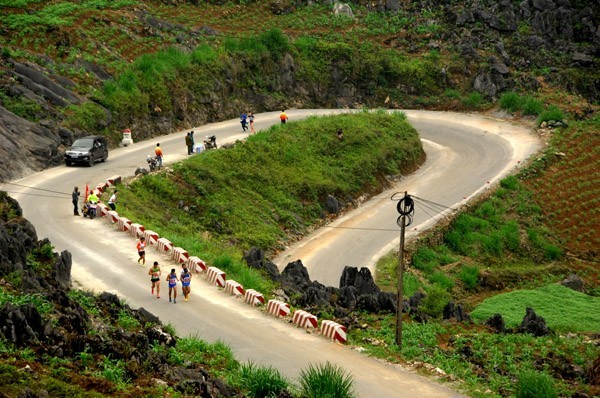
column 87, row 150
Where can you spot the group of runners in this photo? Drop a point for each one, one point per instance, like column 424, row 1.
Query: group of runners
column 172, row 278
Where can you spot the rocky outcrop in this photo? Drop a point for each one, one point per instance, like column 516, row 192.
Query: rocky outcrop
column 533, row 324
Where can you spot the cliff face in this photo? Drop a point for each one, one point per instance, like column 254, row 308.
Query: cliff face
column 502, row 45
column 40, row 314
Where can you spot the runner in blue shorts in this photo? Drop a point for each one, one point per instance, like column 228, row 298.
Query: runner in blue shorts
column 186, row 280
column 172, row 279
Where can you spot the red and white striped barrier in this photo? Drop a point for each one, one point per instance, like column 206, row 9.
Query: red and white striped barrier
column 164, row 245
column 305, row 319
column 101, row 187
column 234, row 288
column 137, row 230
column 253, row 297
column 124, row 223
column 196, row 264
column 278, row 308
column 151, row 237
column 102, row 209
column 112, row 216
column 334, row 331
column 114, row 180
column 180, row 255
column 216, row 276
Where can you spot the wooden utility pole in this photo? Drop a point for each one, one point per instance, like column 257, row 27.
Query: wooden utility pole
column 406, row 208
column 400, row 303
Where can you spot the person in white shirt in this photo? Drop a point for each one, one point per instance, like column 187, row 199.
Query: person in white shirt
column 113, row 200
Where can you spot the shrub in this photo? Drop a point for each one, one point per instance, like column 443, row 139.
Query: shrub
column 436, row 300
column 88, row 117
column 552, row 113
column 452, row 94
column 510, row 182
column 510, row 101
column 469, row 276
column 473, row 101
column 532, row 106
column 326, row 381
column 534, row 384
column 261, row 381
column 425, row 259
column 442, row 279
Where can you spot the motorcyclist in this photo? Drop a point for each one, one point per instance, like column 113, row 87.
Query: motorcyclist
column 93, row 198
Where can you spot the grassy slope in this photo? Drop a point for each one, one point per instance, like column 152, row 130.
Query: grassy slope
column 272, row 187
column 552, row 302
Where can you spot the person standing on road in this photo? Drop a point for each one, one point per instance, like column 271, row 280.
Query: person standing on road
column 188, row 143
column 172, row 279
column 75, row 198
column 251, row 120
column 141, row 248
column 283, row 117
column 192, row 141
column 113, row 200
column 244, row 121
column 186, row 280
column 159, row 154
column 154, row 273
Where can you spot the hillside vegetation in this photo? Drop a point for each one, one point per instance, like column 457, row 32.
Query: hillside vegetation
column 273, row 187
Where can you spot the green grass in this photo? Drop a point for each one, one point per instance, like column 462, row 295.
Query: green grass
column 261, row 381
column 254, row 195
column 326, row 381
column 535, row 385
column 564, row 310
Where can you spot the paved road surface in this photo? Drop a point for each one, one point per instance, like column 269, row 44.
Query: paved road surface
column 463, row 154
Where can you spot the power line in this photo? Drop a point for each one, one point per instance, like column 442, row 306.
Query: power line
column 38, row 189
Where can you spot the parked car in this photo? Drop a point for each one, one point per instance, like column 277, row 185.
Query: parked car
column 87, row 150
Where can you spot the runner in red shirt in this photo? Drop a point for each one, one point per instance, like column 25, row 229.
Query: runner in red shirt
column 141, row 248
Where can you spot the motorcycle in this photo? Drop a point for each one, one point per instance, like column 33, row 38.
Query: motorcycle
column 89, row 209
column 210, row 142
column 152, row 162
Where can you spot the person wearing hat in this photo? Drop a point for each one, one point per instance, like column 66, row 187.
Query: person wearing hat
column 186, row 280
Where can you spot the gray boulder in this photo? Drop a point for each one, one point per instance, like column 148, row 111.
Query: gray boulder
column 342, row 9
column 574, row 282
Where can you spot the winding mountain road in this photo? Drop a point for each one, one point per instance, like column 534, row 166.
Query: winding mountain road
column 464, row 155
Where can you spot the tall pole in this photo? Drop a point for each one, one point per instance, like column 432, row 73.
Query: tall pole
column 400, row 303
column 406, row 208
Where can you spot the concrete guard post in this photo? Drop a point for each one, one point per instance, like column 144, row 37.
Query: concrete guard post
column 103, row 209
column 114, row 180
column 253, row 297
column 151, row 237
column 164, row 245
column 180, row 255
column 101, row 187
column 234, row 288
column 137, row 230
column 305, row 319
column 112, row 217
column 278, row 308
column 196, row 264
column 334, row 331
column 124, row 224
column 216, row 276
